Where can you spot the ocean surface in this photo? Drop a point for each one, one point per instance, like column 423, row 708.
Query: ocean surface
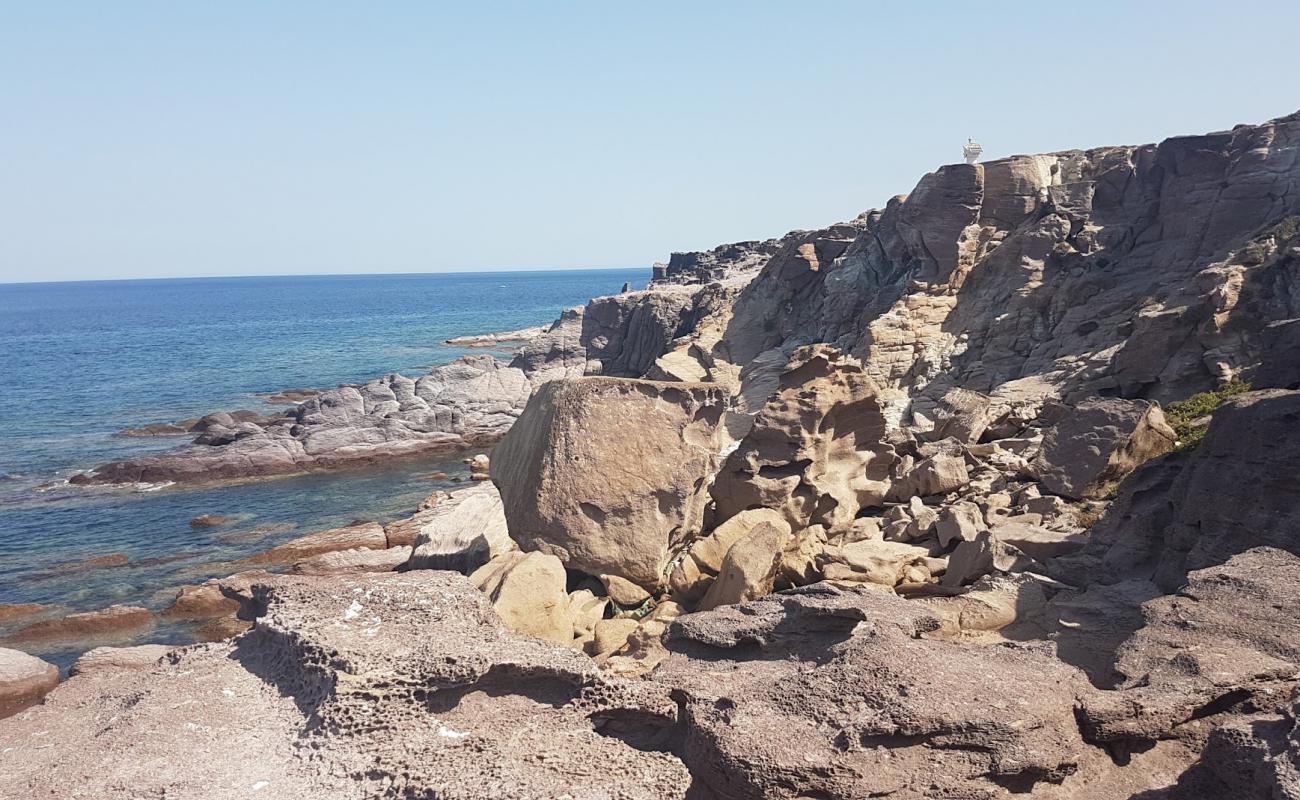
column 80, row 362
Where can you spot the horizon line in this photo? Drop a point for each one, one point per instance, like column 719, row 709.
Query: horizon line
column 491, row 270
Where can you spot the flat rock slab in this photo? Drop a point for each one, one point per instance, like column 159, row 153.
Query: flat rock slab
column 24, row 680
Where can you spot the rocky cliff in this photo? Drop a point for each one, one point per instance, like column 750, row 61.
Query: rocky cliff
column 967, row 497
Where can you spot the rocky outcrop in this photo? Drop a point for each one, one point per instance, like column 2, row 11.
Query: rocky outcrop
column 467, row 402
column 462, row 532
column 24, row 680
column 611, row 475
column 1098, row 442
column 114, row 624
column 363, row 535
column 400, row 685
column 1235, row 490
column 816, row 451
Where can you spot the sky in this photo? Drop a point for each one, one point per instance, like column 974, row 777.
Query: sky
column 166, row 139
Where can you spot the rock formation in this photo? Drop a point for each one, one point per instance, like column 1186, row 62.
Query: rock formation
column 889, row 508
column 611, row 475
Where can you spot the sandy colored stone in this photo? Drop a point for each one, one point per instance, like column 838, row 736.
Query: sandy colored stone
column 527, row 590
column 750, row 567
column 610, row 475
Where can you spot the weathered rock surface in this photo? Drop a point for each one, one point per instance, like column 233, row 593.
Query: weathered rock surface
column 461, row 532
column 1235, row 490
column 830, row 694
column 1097, row 442
column 114, row 623
column 103, row 659
column 461, row 404
column 610, row 474
column 368, row 686
column 358, row 559
column 527, row 590
column 365, row 535
column 24, row 680
column 816, row 451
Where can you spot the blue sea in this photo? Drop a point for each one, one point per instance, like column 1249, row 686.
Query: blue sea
column 80, row 362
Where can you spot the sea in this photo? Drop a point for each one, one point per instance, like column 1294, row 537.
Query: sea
column 80, row 362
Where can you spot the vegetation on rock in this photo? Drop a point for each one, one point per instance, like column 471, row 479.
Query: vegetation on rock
column 1185, row 416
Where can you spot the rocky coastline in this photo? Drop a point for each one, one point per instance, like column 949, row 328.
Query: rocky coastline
column 993, row 492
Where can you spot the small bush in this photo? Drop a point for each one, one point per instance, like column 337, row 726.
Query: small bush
column 1182, row 416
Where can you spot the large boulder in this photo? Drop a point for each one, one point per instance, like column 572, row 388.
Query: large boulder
column 816, row 451
column 611, row 475
column 1097, row 443
column 462, row 532
column 24, row 680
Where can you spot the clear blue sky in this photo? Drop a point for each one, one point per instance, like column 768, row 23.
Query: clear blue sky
column 144, row 139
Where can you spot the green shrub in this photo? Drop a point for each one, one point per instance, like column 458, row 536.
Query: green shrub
column 1183, row 415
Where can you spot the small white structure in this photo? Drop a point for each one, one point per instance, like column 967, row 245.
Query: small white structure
column 972, row 151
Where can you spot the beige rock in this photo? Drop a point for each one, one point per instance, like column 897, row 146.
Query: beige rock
column 979, row 557
column 990, row 605
column 750, row 567
column 686, row 580
column 710, row 551
column 1037, row 542
column 612, row 634
column 938, row 474
column 624, row 592
column 586, row 609
column 863, row 529
column 816, row 451
column 216, row 598
column 106, row 659
column 923, row 520
column 961, row 521
column 801, row 558
column 24, row 680
column 880, row 562
column 356, row 560
column 114, row 623
column 402, row 532
column 527, row 590
column 611, row 475
column 463, row 532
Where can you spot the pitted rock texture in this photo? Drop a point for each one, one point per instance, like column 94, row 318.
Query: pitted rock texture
column 367, row 687
column 611, row 475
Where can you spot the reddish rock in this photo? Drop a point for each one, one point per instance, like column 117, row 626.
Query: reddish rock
column 369, row 535
column 24, row 680
column 113, row 621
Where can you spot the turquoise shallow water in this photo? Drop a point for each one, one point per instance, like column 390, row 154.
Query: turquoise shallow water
column 81, row 361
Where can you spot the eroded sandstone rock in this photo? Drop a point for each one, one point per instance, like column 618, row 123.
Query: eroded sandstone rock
column 527, row 590
column 611, row 475
column 462, row 532
column 816, row 451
